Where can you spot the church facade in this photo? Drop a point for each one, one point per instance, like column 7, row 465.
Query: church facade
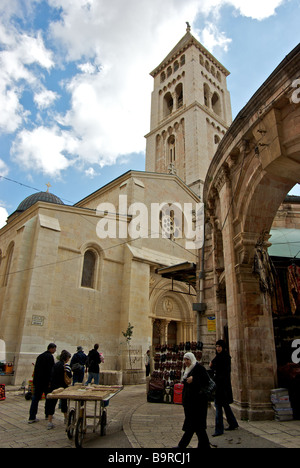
column 78, row 275
column 129, row 253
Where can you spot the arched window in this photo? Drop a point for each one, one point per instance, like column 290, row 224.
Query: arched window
column 89, row 269
column 172, row 149
column 171, row 222
column 206, row 91
column 182, row 60
column 217, row 139
column 179, row 95
column 168, row 104
column 216, row 104
column 9, row 257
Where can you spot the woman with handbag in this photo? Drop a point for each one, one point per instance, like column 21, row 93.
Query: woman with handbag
column 195, row 403
column 61, row 378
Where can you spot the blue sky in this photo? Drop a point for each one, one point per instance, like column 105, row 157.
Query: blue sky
column 75, row 88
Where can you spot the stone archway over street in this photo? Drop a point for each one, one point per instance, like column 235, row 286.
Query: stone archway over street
column 255, row 167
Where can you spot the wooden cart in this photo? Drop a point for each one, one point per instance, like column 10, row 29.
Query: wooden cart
column 78, row 410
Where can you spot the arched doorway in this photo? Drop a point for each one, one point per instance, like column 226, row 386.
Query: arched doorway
column 172, row 313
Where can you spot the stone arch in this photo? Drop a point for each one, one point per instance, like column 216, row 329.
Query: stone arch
column 243, row 191
column 167, row 306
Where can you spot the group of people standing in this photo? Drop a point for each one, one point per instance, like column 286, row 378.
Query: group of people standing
column 49, row 376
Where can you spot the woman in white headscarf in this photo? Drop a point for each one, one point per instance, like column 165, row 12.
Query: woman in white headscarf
column 195, row 403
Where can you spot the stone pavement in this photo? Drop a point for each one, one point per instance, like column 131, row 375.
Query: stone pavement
column 135, row 423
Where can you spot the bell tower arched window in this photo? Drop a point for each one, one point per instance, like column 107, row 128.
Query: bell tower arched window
column 168, row 104
column 216, row 104
column 172, row 149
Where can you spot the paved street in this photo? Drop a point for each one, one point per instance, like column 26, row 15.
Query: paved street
column 134, row 423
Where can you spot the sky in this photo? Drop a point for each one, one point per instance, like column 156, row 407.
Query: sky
column 75, row 89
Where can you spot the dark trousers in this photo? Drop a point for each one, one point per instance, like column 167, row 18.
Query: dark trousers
column 219, row 417
column 37, row 395
column 51, row 405
column 203, row 441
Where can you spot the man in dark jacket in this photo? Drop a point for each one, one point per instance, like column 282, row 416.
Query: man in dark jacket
column 93, row 361
column 41, row 379
column 77, row 365
column 221, row 365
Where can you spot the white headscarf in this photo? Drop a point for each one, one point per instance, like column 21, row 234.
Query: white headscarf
column 193, row 360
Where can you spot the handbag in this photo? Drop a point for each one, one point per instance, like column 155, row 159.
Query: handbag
column 209, row 390
column 77, row 367
column 67, row 379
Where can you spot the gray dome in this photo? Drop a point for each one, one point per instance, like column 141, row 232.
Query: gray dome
column 36, row 197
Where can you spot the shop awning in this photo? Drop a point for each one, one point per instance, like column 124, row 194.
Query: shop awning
column 184, row 272
column 285, row 243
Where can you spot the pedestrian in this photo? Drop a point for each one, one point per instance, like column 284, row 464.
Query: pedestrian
column 92, row 365
column 195, row 403
column 221, row 365
column 78, row 364
column 147, row 363
column 41, row 380
column 58, row 380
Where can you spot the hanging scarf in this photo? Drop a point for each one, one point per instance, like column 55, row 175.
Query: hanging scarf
column 193, row 360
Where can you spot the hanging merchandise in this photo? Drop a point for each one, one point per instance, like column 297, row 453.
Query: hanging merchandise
column 294, row 287
column 168, row 371
column 2, row 392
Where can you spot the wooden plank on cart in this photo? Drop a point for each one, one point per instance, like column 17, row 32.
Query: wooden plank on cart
column 89, row 393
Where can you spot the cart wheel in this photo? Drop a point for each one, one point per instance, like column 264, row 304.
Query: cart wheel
column 79, row 433
column 28, row 396
column 71, row 424
column 103, row 423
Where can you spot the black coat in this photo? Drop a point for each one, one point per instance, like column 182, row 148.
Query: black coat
column 58, row 376
column 42, row 370
column 221, row 365
column 195, row 404
column 93, row 361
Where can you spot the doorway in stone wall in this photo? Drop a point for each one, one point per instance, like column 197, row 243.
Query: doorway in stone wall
column 172, row 333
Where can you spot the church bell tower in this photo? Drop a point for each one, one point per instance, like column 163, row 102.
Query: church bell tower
column 190, row 112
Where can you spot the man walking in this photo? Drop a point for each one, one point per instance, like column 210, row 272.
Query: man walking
column 93, row 361
column 41, row 380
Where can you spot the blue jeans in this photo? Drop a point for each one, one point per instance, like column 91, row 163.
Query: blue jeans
column 78, row 377
column 219, row 429
column 93, row 375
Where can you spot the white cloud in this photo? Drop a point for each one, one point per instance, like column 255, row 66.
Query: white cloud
column 3, row 216
column 114, row 45
column 19, row 51
column 256, row 9
column 3, row 169
column 91, row 173
column 45, row 98
column 211, row 38
column 43, row 150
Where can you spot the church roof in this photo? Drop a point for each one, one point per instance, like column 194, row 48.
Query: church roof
column 36, row 197
column 187, row 40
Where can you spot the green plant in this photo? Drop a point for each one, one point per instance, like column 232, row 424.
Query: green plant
column 128, row 336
